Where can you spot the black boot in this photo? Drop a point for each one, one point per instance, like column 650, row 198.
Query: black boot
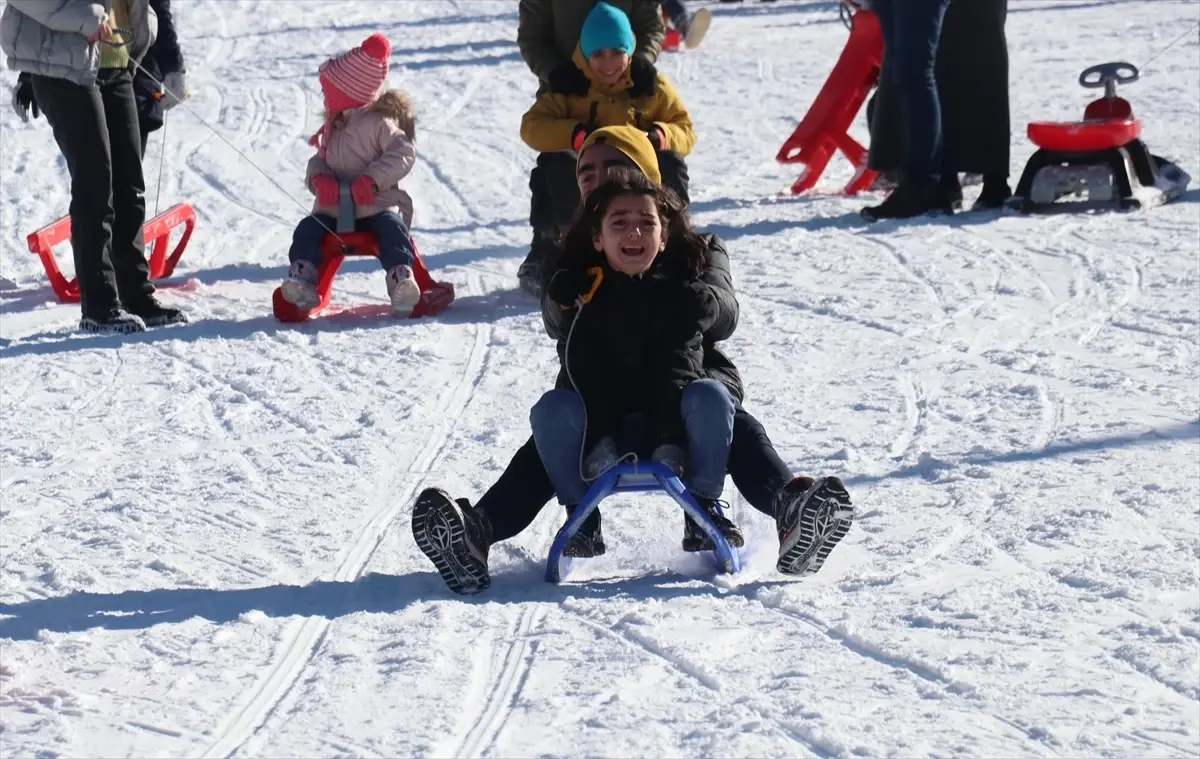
column 949, row 192
column 154, row 313
column 114, row 320
column 588, row 541
column 995, row 192
column 694, row 539
column 455, row 537
column 913, row 197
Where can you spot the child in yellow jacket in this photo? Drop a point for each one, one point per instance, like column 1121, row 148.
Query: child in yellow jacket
column 561, row 122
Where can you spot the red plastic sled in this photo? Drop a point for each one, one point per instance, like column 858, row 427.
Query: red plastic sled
column 824, row 128
column 156, row 232
column 672, row 41
column 435, row 296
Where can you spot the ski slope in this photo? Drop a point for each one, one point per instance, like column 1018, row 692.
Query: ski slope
column 205, row 529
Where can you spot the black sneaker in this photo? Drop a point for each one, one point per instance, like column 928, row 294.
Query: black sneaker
column 154, row 314
column 456, row 539
column 811, row 516
column 115, row 320
column 694, row 539
column 588, row 541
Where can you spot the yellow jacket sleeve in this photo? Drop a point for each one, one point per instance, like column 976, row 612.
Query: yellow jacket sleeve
column 669, row 113
column 547, row 126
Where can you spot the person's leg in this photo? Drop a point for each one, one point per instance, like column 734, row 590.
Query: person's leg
column 674, row 173
column 912, row 46
column 76, row 116
column 559, row 420
column 708, row 413
column 396, row 256
column 128, row 189
column 758, row 472
column 300, row 288
column 514, row 501
column 554, row 196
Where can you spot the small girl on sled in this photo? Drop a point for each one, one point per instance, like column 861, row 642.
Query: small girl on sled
column 367, row 143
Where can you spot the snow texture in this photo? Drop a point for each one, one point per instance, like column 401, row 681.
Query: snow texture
column 205, row 529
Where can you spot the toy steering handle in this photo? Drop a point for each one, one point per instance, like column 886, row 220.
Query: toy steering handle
column 1101, row 74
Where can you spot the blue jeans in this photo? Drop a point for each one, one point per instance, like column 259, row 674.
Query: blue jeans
column 395, row 244
column 911, row 29
column 558, row 420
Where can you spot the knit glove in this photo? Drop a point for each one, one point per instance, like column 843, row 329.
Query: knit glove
column 23, row 101
column 326, row 189
column 645, row 78
column 174, row 88
column 567, row 79
column 363, row 191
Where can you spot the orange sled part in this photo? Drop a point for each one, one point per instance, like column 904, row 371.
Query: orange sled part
column 435, row 296
column 156, row 232
column 824, row 128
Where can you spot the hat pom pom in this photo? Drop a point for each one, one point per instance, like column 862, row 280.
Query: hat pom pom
column 378, row 47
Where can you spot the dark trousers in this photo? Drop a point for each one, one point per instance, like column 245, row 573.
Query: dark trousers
column 97, row 131
column 911, row 29
column 524, row 488
column 395, row 244
column 674, row 174
column 553, row 193
column 677, row 12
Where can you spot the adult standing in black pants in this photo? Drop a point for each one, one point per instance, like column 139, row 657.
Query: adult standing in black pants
column 81, row 56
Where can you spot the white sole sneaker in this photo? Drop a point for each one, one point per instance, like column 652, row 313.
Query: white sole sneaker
column 405, row 298
column 302, row 295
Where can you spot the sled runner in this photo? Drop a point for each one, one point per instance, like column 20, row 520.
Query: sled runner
column 638, row 478
column 824, row 128
column 1099, row 161
column 156, row 232
column 436, row 297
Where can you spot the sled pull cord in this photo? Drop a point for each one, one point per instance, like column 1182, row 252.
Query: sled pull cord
column 179, row 97
column 1171, row 44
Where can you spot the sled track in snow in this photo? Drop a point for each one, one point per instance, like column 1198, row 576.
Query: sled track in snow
column 301, row 639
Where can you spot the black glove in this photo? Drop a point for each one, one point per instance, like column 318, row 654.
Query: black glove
column 23, row 101
column 657, row 138
column 567, row 79
column 645, row 77
column 567, row 286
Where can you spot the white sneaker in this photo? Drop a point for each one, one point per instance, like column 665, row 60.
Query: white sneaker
column 403, row 290
column 300, row 288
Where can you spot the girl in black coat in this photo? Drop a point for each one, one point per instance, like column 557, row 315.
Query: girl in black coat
column 635, row 309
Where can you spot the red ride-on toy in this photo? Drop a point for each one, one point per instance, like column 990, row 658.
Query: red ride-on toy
column 1098, row 161
column 156, row 232
column 435, row 296
column 824, row 128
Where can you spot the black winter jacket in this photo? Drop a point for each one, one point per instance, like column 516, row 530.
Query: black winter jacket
column 719, row 279
column 642, row 339
column 164, row 57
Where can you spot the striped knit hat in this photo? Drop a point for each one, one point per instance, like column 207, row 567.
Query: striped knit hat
column 352, row 79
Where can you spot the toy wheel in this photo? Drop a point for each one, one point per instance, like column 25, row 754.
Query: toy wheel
column 1119, row 71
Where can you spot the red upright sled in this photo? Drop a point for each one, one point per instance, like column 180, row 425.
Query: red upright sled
column 824, row 128
column 156, row 232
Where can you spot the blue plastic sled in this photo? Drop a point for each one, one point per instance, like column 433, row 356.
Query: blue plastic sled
column 638, row 478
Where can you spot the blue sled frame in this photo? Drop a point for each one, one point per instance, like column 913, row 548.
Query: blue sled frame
column 638, row 478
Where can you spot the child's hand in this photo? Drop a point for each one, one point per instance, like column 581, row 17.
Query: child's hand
column 568, row 286
column 326, row 189
column 363, row 191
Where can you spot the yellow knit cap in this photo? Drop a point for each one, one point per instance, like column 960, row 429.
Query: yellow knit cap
column 633, row 143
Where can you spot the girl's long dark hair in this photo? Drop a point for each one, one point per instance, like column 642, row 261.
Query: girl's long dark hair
column 686, row 253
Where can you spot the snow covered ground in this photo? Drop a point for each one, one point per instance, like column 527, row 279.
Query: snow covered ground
column 205, row 529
